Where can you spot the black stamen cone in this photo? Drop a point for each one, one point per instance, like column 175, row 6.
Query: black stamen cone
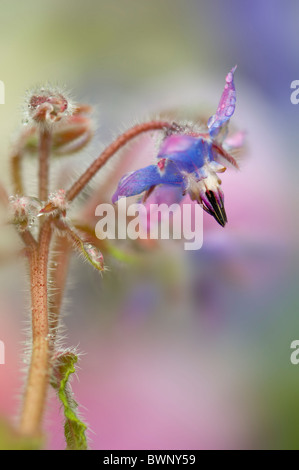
column 218, row 212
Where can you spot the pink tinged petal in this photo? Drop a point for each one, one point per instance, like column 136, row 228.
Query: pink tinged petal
column 164, row 194
column 176, row 143
column 226, row 106
column 188, row 153
column 147, row 194
column 236, row 140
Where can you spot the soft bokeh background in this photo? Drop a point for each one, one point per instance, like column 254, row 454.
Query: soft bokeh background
column 187, row 349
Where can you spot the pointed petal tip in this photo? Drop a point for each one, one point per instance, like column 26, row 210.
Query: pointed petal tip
column 218, row 211
column 222, row 222
column 226, row 106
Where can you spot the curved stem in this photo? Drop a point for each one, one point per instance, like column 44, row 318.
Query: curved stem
column 38, row 378
column 122, row 140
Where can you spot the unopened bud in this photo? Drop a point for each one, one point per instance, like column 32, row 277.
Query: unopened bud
column 93, row 255
column 47, row 106
column 57, row 203
column 72, row 135
column 23, row 211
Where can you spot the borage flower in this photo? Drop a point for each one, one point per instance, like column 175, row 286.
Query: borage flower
column 190, row 161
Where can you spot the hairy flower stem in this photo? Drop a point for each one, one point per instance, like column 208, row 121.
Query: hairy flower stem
column 120, row 142
column 38, row 378
column 61, row 262
column 39, row 370
column 45, row 141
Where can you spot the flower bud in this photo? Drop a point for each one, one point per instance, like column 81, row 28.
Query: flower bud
column 47, row 106
column 72, row 135
column 57, row 203
column 93, row 255
column 23, row 211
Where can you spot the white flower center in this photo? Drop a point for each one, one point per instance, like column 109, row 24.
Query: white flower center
column 208, row 180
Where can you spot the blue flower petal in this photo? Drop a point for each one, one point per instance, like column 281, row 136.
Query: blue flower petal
column 187, row 152
column 226, row 106
column 143, row 179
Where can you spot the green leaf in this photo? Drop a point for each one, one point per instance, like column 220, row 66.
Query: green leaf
column 74, row 428
column 11, row 440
